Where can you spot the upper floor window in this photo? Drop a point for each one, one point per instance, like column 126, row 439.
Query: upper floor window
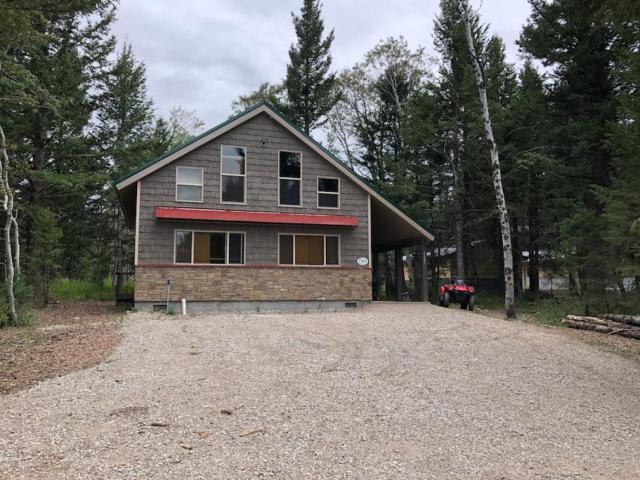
column 224, row 248
column 189, row 183
column 233, row 172
column 290, row 178
column 328, row 192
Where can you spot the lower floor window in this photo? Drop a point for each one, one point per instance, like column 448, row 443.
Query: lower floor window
column 209, row 247
column 309, row 249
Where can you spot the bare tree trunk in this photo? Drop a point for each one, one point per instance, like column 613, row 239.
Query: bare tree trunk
column 7, row 205
column 509, row 301
column 16, row 244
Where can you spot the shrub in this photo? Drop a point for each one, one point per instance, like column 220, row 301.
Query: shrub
column 75, row 289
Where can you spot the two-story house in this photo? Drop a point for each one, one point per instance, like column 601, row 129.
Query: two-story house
column 255, row 214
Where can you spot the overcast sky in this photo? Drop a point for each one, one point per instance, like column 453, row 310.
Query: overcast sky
column 203, row 54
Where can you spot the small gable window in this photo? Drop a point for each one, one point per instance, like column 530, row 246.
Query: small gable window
column 233, row 174
column 189, row 183
column 290, row 179
column 328, row 192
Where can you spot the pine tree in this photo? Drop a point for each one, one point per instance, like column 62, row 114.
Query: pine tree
column 456, row 92
column 573, row 39
column 531, row 172
column 622, row 201
column 125, row 117
column 125, row 131
column 56, row 68
column 309, row 85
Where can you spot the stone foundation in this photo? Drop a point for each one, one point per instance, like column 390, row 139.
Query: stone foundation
column 252, row 283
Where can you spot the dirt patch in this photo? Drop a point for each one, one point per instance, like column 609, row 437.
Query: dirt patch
column 63, row 338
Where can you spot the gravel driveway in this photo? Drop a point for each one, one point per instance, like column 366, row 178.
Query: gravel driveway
column 403, row 391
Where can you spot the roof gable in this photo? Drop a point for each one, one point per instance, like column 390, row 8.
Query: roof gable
column 262, row 107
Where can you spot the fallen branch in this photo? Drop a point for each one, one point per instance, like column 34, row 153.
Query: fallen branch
column 617, row 317
column 624, row 332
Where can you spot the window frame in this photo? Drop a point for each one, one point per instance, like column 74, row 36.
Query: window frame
column 244, row 190
column 290, row 178
column 201, row 185
column 318, row 192
column 226, row 253
column 325, row 235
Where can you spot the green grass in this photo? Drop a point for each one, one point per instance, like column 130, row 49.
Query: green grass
column 74, row 290
column 550, row 310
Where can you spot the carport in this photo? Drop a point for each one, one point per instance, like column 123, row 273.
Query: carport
column 391, row 232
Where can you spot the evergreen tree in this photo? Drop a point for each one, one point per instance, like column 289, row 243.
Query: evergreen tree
column 459, row 137
column 309, row 85
column 574, row 40
column 531, row 173
column 125, row 133
column 61, row 64
column 125, row 117
column 622, row 201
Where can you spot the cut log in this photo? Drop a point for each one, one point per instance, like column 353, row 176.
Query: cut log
column 601, row 321
column 584, row 319
column 625, row 331
column 617, row 317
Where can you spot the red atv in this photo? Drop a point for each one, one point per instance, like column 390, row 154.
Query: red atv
column 457, row 291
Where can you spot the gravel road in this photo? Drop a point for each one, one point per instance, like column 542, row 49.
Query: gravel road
column 403, row 391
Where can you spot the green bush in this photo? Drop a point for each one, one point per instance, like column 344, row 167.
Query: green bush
column 74, row 290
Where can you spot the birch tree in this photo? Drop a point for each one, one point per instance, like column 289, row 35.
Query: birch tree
column 501, row 203
column 11, row 234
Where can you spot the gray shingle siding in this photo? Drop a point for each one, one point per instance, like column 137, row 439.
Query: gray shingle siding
column 263, row 138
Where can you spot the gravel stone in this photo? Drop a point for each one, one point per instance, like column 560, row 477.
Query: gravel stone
column 397, row 391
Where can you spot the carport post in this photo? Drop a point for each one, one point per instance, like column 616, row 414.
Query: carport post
column 424, row 283
column 376, row 276
column 399, row 274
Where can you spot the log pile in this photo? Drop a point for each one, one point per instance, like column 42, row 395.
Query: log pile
column 610, row 323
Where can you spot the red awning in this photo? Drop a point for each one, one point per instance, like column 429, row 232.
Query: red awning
column 176, row 213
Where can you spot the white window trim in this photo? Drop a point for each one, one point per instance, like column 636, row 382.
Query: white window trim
column 290, row 178
column 244, row 192
column 201, row 184
column 325, row 235
column 226, row 253
column 318, row 192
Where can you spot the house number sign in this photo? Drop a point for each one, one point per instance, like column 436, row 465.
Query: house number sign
column 363, row 261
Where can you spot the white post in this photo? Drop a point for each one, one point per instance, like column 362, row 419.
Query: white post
column 168, row 292
column 184, row 306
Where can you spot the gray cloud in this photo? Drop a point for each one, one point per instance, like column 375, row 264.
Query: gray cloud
column 203, row 54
